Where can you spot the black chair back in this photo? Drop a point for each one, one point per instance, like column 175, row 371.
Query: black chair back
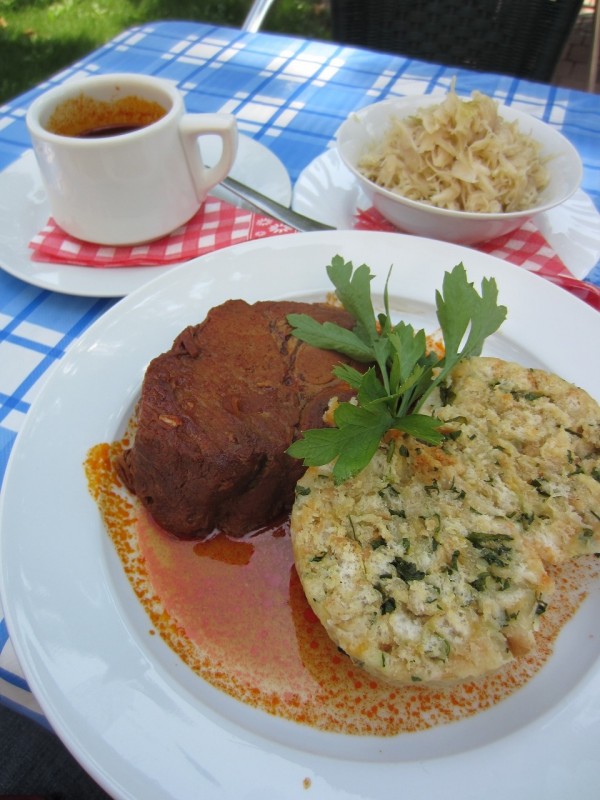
column 524, row 38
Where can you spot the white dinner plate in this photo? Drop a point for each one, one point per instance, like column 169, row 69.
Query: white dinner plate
column 327, row 191
column 137, row 718
column 24, row 211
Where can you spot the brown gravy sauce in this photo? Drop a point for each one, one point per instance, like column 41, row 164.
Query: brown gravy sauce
column 235, row 612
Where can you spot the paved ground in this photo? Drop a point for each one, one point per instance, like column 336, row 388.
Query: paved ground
column 34, row 765
column 574, row 68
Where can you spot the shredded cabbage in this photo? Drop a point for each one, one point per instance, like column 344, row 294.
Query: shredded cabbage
column 461, row 155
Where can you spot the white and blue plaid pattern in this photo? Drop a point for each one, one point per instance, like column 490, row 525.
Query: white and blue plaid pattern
column 288, row 93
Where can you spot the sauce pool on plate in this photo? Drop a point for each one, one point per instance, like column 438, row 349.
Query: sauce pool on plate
column 234, row 611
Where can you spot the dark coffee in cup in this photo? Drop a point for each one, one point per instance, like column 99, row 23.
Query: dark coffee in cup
column 86, row 117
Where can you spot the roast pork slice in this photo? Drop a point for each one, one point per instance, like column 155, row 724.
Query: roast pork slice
column 217, row 413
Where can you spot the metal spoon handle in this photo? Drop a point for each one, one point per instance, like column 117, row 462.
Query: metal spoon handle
column 272, row 208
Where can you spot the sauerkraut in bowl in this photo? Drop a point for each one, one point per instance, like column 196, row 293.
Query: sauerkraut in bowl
column 459, row 169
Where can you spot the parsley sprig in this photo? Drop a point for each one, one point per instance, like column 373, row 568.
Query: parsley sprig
column 402, row 375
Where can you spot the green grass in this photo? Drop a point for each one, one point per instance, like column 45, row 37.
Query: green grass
column 40, row 37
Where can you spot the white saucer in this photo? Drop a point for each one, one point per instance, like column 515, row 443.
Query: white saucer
column 24, row 211
column 328, row 192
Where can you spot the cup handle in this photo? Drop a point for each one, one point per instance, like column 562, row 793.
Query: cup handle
column 191, row 127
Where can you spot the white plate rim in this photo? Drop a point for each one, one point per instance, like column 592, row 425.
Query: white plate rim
column 24, row 210
column 108, row 718
column 327, row 191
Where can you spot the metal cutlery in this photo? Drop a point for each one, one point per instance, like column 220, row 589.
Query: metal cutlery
column 272, row 208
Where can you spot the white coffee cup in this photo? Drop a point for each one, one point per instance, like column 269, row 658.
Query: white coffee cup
column 116, row 169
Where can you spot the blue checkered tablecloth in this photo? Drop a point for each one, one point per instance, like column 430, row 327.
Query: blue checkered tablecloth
column 288, row 93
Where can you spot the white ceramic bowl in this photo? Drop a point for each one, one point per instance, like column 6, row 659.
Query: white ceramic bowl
column 363, row 127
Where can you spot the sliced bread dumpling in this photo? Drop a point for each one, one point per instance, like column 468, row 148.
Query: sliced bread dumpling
column 430, row 564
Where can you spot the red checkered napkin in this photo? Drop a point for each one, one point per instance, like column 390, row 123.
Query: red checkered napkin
column 216, row 225
column 525, row 247
column 220, row 224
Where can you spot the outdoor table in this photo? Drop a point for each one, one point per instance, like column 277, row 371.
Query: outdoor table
column 288, row 93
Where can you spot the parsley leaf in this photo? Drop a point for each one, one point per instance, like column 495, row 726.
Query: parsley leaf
column 390, row 393
column 357, row 435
